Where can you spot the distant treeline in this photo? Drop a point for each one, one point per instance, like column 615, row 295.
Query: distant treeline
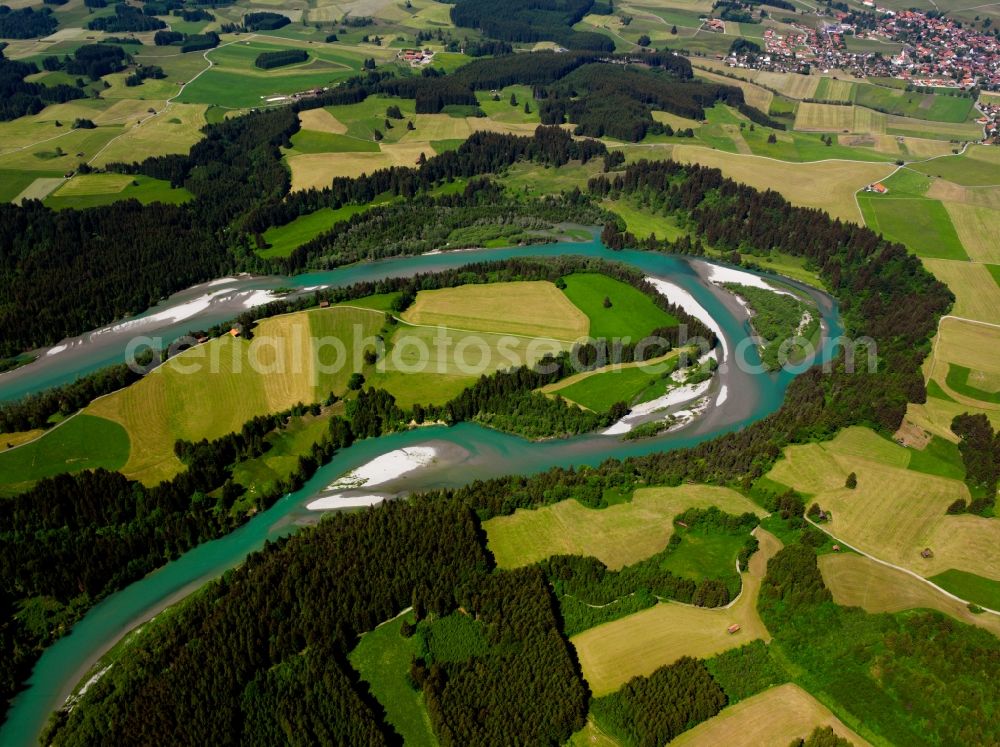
column 26, row 23
column 126, row 18
column 529, row 21
column 19, row 98
column 265, row 21
column 268, row 60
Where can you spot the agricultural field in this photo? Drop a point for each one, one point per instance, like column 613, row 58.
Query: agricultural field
column 828, row 185
column 933, row 107
column 978, row 166
column 857, row 581
column 778, row 716
column 834, row 90
column 631, row 313
column 977, row 295
column 630, row 383
column 172, row 403
column 90, row 190
column 923, row 225
column 895, row 512
column 977, row 229
column 234, row 82
column 982, row 591
column 173, row 130
column 82, row 442
column 504, row 308
column 613, row 653
column 619, row 535
column 965, row 363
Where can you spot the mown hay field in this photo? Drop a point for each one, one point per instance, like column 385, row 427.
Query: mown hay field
column 778, row 716
column 612, row 654
column 618, row 535
column 857, row 581
column 532, row 308
column 828, row 185
column 895, row 512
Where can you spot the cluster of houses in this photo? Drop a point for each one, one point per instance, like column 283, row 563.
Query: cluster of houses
column 937, row 51
column 416, row 57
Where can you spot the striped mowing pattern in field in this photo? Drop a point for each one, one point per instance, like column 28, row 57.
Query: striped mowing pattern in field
column 857, row 581
column 778, row 716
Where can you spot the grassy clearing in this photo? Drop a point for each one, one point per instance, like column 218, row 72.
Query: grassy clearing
column 959, row 381
column 84, row 442
column 612, row 654
column 91, row 190
column 504, row 308
column 778, row 716
column 619, row 535
column 285, row 239
column 923, row 225
column 631, row 314
column 282, row 456
column 857, row 581
column 535, row 179
column 382, row 658
column 895, row 512
column 921, row 128
column 642, row 221
column 599, row 391
column 977, row 295
column 13, row 183
column 310, row 141
column 704, row 553
column 983, row 591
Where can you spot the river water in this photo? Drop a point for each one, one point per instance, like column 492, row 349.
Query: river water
column 750, row 396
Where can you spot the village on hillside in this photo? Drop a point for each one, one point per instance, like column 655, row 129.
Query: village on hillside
column 937, row 53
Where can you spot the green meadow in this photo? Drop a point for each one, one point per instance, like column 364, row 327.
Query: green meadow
column 978, row 589
column 84, row 442
column 923, row 225
column 382, row 658
column 599, row 391
column 631, row 314
column 283, row 240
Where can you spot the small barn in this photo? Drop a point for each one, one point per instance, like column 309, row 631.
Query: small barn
column 734, row 628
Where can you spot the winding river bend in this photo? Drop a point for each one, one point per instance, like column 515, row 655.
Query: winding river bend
column 749, row 396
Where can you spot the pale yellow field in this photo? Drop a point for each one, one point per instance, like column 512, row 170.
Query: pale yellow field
column 894, row 513
column 867, row 120
column 975, row 346
column 38, row 189
column 792, row 85
column 839, row 90
column 319, row 169
column 533, row 308
column 174, row 130
column 857, row 581
column 824, row 117
column 774, row 717
column 978, row 229
column 618, row 535
column 612, row 654
column 945, row 130
column 675, row 121
column 827, row 185
column 757, row 97
column 321, row 120
column 10, row 440
column 936, row 415
column 213, row 389
column 923, row 148
column 941, row 189
column 977, row 296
